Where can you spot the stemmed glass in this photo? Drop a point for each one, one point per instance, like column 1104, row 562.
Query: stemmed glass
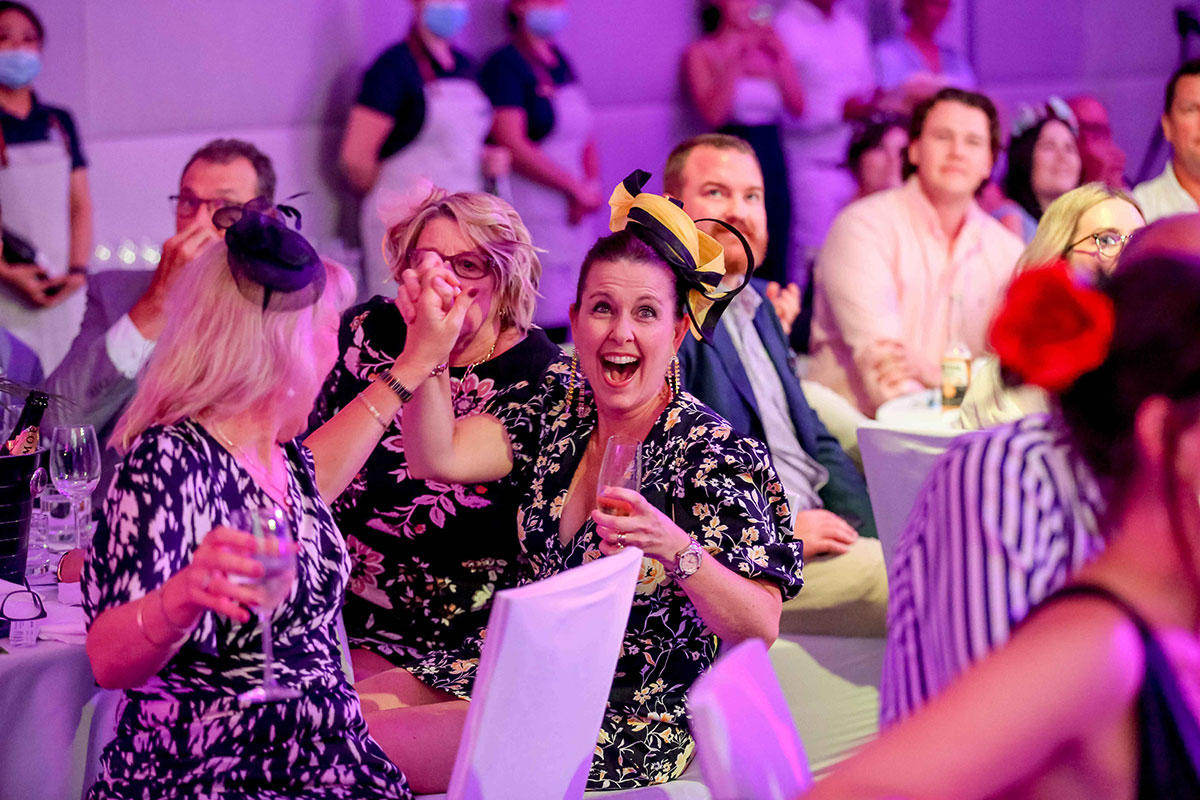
column 621, row 467
column 75, row 470
column 275, row 549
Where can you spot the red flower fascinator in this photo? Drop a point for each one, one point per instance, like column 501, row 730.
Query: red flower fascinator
column 1052, row 329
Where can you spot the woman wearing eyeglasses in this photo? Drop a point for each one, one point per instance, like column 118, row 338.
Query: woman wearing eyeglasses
column 1088, row 227
column 44, row 192
column 427, row 556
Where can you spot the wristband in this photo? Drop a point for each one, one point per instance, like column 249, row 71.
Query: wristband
column 374, row 411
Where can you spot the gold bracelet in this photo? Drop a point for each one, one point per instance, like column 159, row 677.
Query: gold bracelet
column 374, row 411
column 141, row 623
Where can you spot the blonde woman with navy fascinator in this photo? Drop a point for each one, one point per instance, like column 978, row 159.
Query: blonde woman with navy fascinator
column 711, row 516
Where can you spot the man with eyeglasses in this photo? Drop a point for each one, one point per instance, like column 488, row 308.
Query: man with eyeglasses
column 125, row 316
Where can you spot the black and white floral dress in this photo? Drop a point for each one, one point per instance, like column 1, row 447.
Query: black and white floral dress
column 719, row 487
column 426, row 556
column 184, row 733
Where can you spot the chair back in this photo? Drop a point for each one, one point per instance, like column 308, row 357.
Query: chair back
column 544, row 678
column 896, row 462
column 746, row 742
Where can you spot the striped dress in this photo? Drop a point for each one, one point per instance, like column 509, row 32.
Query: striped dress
column 1004, row 518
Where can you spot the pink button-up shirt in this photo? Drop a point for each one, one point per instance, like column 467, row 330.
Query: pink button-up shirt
column 885, row 283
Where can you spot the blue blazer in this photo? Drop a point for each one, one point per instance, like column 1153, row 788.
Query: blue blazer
column 714, row 373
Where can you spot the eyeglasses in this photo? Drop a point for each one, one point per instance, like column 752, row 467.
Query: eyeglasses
column 186, row 205
column 1108, row 243
column 12, row 611
column 469, row 265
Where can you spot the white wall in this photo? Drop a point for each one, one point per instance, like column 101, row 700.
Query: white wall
column 151, row 80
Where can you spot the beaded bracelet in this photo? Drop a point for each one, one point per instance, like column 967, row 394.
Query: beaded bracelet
column 374, row 411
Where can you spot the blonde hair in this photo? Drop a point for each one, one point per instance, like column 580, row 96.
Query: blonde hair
column 220, row 353
column 1056, row 229
column 494, row 228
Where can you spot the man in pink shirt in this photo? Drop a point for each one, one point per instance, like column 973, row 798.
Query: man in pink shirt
column 905, row 271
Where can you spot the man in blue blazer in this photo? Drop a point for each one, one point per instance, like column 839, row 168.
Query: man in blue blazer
column 124, row 315
column 746, row 373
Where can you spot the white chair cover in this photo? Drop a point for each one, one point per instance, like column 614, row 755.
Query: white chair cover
column 544, row 679
column 746, row 743
column 896, row 462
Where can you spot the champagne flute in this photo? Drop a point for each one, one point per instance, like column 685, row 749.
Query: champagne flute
column 275, row 549
column 75, row 470
column 622, row 468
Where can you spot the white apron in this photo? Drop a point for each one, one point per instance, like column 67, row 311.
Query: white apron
column 35, row 205
column 448, row 152
column 544, row 210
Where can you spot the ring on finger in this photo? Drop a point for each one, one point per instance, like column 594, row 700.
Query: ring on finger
column 621, row 539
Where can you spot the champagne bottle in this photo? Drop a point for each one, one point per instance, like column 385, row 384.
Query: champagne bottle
column 26, row 434
column 956, row 361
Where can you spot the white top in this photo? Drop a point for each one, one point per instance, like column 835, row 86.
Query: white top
column 756, row 101
column 1164, row 197
column 833, row 58
column 126, row 347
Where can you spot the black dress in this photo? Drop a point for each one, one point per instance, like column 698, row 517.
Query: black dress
column 1168, row 732
column 426, row 556
column 719, row 487
column 184, row 732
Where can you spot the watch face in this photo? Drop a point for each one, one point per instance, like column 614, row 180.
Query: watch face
column 689, row 561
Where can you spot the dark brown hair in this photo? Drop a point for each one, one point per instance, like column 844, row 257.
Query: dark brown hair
column 626, row 246
column 1018, row 180
column 1189, row 67
column 224, row 151
column 27, row 12
column 949, row 94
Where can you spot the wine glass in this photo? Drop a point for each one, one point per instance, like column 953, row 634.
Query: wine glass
column 275, row 549
column 75, row 470
column 621, row 467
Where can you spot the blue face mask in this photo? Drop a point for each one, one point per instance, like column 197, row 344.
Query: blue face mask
column 545, row 22
column 445, row 19
column 18, row 68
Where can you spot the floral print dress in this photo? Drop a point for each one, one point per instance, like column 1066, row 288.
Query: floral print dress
column 719, row 487
column 184, row 733
column 427, row 556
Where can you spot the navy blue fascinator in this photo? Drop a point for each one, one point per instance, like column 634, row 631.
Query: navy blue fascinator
column 267, row 256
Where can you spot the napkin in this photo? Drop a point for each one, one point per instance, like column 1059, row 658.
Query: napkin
column 62, row 623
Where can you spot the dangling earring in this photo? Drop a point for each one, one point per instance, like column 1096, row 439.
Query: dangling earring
column 575, row 384
column 673, row 378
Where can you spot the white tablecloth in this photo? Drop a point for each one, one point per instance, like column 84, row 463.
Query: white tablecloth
column 919, row 411
column 55, row 719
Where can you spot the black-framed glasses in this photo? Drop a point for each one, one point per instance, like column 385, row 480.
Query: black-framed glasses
column 1108, row 243
column 469, row 265
column 8, row 609
column 187, row 204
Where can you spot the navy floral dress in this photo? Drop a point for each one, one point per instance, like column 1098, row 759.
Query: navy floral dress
column 184, row 733
column 718, row 486
column 427, row 556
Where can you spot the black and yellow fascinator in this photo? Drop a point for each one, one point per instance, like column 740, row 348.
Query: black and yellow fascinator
column 693, row 255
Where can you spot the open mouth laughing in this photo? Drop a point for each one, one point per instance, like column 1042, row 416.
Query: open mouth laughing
column 619, row 369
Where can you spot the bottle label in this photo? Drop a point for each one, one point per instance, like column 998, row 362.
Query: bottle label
column 24, row 442
column 956, row 374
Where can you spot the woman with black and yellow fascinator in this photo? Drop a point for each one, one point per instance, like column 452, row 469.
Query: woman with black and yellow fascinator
column 710, row 516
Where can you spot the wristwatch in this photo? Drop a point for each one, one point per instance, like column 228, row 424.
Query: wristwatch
column 687, row 561
column 398, row 388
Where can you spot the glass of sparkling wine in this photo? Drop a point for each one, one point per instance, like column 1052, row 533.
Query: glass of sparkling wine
column 621, row 467
column 275, row 549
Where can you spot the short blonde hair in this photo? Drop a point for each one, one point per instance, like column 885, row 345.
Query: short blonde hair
column 494, row 228
column 220, row 353
column 1056, row 229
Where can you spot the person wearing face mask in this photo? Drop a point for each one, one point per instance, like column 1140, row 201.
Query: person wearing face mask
column 1043, row 163
column 44, row 191
column 420, row 118
column 742, row 82
column 544, row 119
